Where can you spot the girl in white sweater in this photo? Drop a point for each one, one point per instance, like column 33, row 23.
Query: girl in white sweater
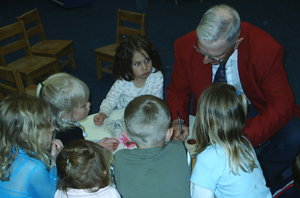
column 137, row 68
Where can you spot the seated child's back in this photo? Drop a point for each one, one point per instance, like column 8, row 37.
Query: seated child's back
column 157, row 168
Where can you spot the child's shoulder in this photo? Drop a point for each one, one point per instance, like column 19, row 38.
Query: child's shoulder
column 213, row 152
column 157, row 74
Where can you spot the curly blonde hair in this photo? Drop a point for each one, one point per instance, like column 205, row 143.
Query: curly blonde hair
column 24, row 124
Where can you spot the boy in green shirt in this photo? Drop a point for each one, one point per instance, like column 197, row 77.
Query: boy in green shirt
column 157, row 167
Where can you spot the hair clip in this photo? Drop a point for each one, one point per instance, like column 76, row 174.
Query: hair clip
column 68, row 161
column 166, row 141
column 238, row 92
column 42, row 83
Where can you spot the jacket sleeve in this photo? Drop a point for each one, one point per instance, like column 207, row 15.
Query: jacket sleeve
column 271, row 96
column 178, row 91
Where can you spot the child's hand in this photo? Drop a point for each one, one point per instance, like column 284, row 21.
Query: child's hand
column 56, row 146
column 99, row 119
column 176, row 132
column 109, row 143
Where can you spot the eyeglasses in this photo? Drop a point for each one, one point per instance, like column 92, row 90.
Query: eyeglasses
column 209, row 56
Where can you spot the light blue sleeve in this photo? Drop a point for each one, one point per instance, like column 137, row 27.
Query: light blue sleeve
column 41, row 182
column 209, row 168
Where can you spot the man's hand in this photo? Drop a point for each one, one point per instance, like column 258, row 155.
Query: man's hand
column 176, row 134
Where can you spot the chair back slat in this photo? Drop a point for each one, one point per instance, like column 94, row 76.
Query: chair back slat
column 10, row 30
column 130, row 17
column 33, row 18
column 13, row 77
column 9, row 48
column 15, row 42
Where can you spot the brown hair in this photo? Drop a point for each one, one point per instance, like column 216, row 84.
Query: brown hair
column 122, row 66
column 83, row 164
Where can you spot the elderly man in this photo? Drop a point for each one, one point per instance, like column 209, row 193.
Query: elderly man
column 224, row 49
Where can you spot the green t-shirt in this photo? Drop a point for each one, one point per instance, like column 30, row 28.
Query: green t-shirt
column 154, row 172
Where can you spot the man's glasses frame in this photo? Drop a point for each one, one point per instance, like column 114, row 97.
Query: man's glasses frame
column 208, row 56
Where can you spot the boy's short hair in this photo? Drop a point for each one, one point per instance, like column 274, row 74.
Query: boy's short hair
column 147, row 119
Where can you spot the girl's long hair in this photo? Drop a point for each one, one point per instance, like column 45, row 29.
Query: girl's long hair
column 24, row 124
column 221, row 118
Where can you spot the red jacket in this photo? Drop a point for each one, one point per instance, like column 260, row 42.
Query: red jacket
column 262, row 76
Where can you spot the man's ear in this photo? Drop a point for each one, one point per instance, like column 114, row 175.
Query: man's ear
column 169, row 134
column 126, row 135
column 238, row 42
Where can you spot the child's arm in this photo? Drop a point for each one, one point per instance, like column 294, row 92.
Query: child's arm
column 56, row 146
column 199, row 192
column 109, row 143
column 158, row 85
column 110, row 102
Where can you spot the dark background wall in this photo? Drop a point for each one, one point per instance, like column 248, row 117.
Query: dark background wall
column 94, row 26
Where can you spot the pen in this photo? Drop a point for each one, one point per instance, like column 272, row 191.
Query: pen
column 179, row 121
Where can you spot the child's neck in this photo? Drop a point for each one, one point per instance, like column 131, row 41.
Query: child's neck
column 139, row 82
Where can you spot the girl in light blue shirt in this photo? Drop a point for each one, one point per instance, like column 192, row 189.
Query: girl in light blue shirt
column 226, row 164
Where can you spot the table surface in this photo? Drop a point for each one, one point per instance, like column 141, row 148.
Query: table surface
column 96, row 133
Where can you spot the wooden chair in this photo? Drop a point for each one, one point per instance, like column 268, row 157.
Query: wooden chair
column 31, row 67
column 107, row 53
column 13, row 77
column 50, row 48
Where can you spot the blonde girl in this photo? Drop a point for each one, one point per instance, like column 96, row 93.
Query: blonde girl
column 27, row 166
column 226, row 164
column 68, row 98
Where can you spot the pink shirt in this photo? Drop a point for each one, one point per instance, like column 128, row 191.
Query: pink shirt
column 107, row 192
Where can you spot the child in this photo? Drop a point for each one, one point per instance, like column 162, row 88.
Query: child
column 137, row 68
column 68, row 98
column 226, row 165
column 27, row 166
column 83, row 169
column 157, row 168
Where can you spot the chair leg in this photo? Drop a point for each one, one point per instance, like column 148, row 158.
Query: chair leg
column 29, row 81
column 99, row 67
column 72, row 58
column 56, row 67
